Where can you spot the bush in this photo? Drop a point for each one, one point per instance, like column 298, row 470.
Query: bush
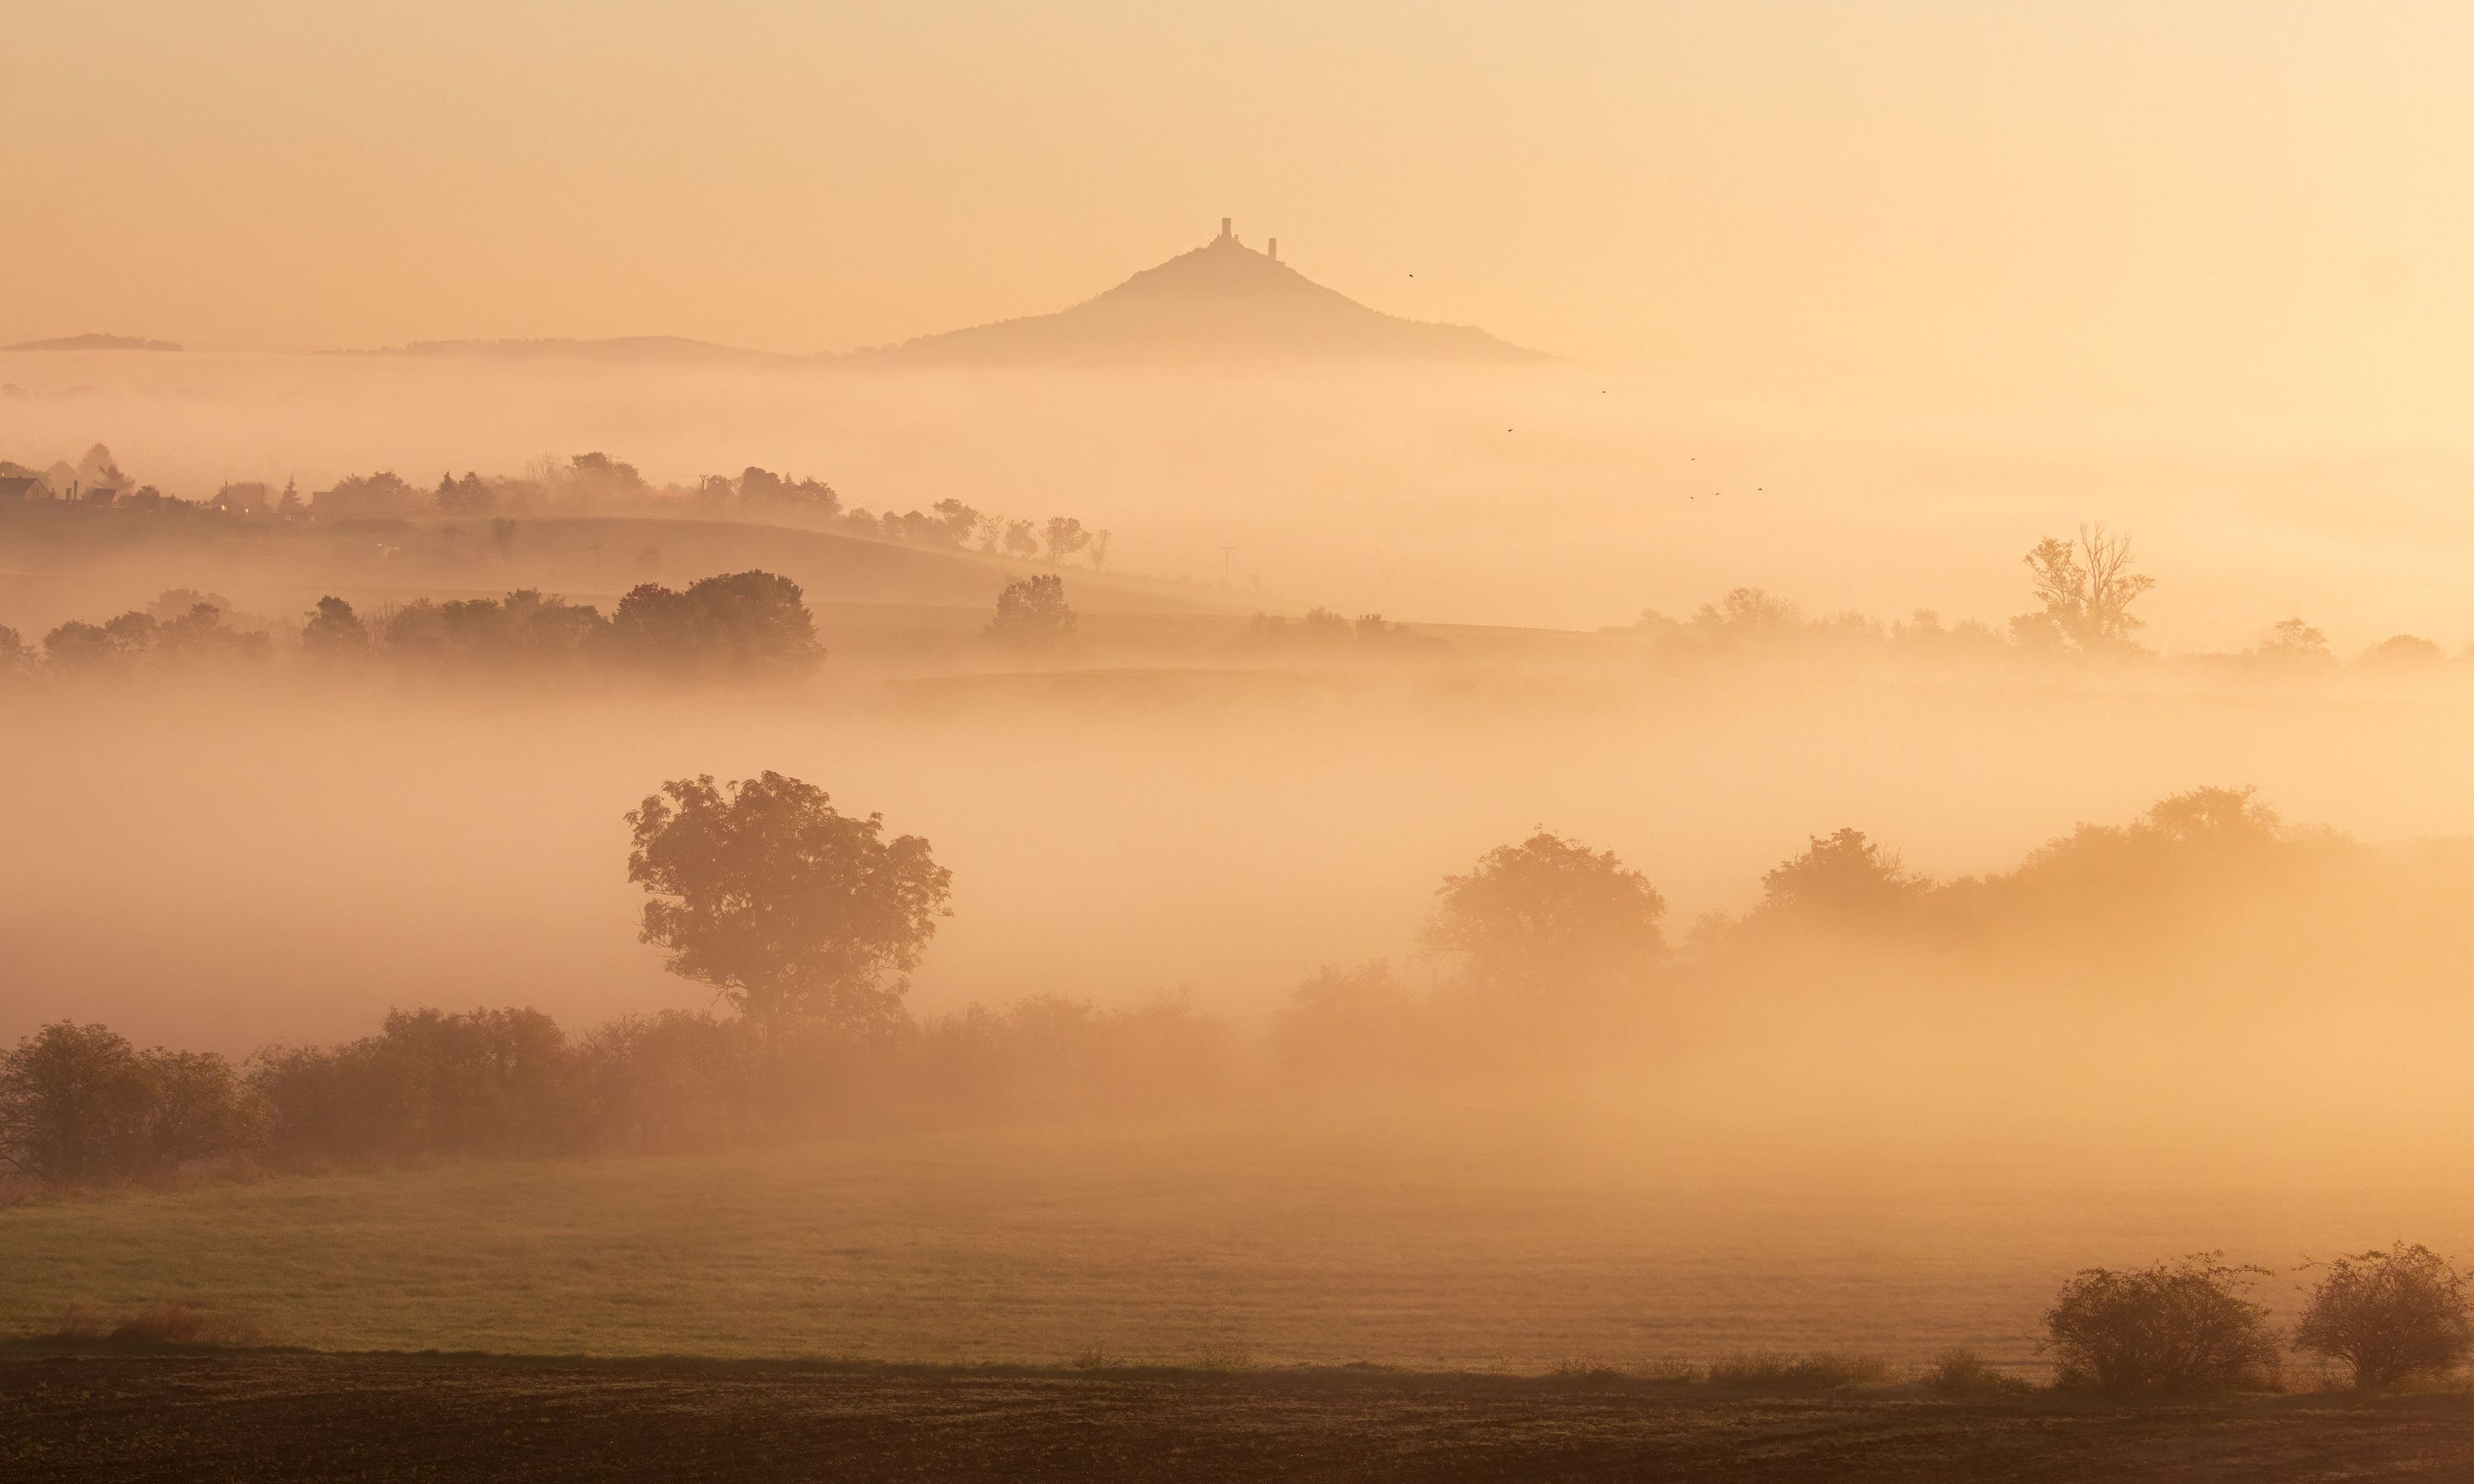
column 2390, row 1315
column 1767, row 1371
column 1963, row 1372
column 2171, row 1328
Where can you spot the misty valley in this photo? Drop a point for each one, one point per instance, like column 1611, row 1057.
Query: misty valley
column 1053, row 981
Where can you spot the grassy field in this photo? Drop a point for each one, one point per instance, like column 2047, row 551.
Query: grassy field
column 363, row 1418
column 1475, row 1240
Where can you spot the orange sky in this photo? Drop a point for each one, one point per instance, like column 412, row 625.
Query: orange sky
column 2146, row 204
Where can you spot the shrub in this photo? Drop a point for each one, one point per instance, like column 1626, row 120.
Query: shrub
column 1769, row 1371
column 2173, row 1327
column 2391, row 1315
column 1963, row 1372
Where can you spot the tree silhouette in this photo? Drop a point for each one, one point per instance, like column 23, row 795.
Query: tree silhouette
column 2185, row 1326
column 1032, row 612
column 744, row 624
column 1065, row 536
column 1843, row 876
column 1547, row 914
column 792, row 912
column 2086, row 588
column 2391, row 1315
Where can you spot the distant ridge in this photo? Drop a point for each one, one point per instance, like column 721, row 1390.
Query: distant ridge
column 93, row 343
column 631, row 349
column 1222, row 303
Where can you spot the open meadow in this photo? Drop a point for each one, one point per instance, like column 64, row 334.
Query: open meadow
column 1506, row 1238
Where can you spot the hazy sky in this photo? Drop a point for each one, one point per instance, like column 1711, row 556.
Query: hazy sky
column 2149, row 203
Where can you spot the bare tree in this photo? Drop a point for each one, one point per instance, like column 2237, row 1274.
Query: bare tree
column 2086, row 587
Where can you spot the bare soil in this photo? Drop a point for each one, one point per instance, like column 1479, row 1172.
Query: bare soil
column 320, row 1417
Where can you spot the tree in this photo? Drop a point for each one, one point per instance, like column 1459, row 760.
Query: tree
column 1548, row 914
column 1065, row 536
column 1747, row 616
column 1842, row 875
column 374, row 496
column 2401, row 652
column 176, row 602
column 79, row 1104
column 466, row 496
column 93, row 649
column 1099, row 549
column 2295, row 643
column 70, row 1104
column 201, row 635
column 744, row 624
column 1021, row 538
column 959, row 519
column 791, row 911
column 1032, row 612
column 2175, row 1326
column 2391, row 1315
column 2086, row 591
column 2216, row 817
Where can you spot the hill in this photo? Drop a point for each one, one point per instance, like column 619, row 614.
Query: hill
column 626, row 349
column 93, row 343
column 1223, row 302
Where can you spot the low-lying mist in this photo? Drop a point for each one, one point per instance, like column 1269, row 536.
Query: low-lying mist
column 1558, row 495
column 222, row 870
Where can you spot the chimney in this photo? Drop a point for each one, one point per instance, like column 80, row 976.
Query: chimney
column 1276, row 250
column 1225, row 223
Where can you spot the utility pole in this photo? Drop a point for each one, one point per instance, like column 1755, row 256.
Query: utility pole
column 1223, row 564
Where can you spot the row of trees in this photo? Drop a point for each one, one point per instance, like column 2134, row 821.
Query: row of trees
column 588, row 484
column 751, row 625
column 2085, row 592
column 81, row 1107
column 741, row 626
column 1551, row 950
column 597, row 484
column 804, row 924
column 2389, row 1316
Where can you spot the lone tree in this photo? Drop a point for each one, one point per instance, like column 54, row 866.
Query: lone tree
column 1032, row 612
column 1549, row 914
column 794, row 913
column 2391, row 1315
column 2086, row 588
column 2174, row 1327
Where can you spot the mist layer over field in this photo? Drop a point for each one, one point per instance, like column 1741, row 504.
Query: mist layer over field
column 297, row 863
column 1556, row 494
